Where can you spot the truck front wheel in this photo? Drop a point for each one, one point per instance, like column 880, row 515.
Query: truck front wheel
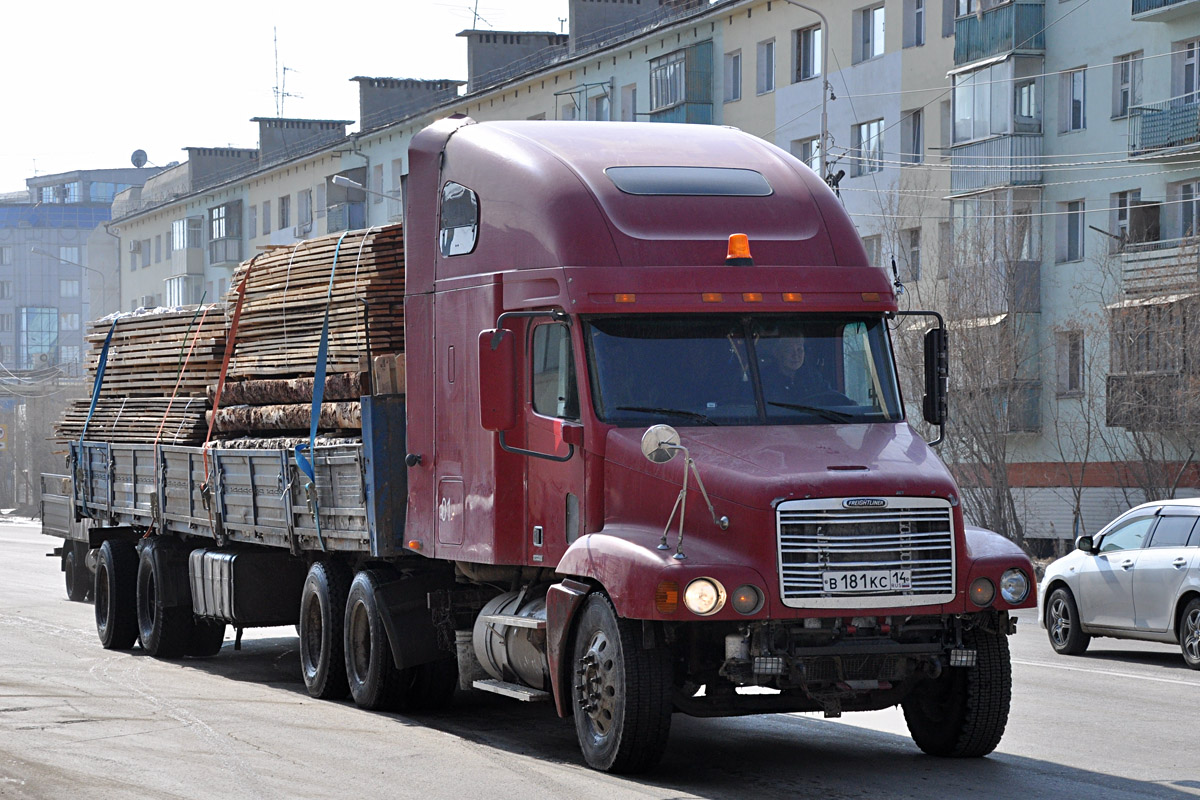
column 116, row 595
column 962, row 713
column 322, row 610
column 622, row 695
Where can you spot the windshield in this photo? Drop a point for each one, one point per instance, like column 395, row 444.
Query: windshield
column 741, row 370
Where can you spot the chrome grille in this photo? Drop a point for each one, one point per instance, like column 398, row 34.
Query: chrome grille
column 819, row 536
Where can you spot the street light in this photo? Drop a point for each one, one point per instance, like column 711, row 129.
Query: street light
column 825, row 89
column 37, row 251
column 346, row 183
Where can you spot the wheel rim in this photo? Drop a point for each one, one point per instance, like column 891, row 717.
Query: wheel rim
column 1060, row 621
column 360, row 642
column 313, row 633
column 102, row 595
column 597, row 692
column 1191, row 636
column 69, row 570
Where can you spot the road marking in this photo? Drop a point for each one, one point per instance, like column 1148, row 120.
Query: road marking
column 1114, row 673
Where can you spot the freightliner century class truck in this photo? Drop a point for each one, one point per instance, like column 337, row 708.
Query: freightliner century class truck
column 611, row 483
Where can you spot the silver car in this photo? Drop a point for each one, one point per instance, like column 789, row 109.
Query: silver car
column 1138, row 578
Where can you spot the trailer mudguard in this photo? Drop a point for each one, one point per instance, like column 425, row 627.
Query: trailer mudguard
column 404, row 607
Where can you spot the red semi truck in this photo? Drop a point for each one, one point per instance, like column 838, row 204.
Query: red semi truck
column 642, row 466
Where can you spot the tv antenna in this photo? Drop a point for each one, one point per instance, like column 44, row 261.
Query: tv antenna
column 478, row 19
column 280, row 88
column 562, row 23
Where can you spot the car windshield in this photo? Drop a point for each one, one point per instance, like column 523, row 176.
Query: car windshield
column 741, row 370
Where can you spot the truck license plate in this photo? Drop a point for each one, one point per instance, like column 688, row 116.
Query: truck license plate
column 893, row 580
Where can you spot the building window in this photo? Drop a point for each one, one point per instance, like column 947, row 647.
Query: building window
column 910, row 242
column 185, row 233
column 569, row 112
column 396, row 193
column 1186, row 78
column 1122, row 207
column 733, row 77
column 766, row 67
column 1069, row 355
column 252, row 223
column 599, row 111
column 965, row 7
column 6, row 258
column 1025, row 105
column 69, row 253
column 808, row 53
column 157, row 248
column 69, row 354
column 285, row 212
column 304, row 208
column 6, row 322
column 68, row 321
column 68, row 288
column 874, row 247
column 1072, row 113
column 667, row 81
column 808, row 151
column 225, row 221
column 869, row 40
column 6, row 290
column 914, row 23
column 912, row 137
column 866, row 141
column 1189, row 208
column 144, row 250
column 1127, row 83
column 979, row 104
column 1070, row 231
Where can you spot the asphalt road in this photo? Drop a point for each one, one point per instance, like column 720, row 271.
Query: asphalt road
column 77, row 721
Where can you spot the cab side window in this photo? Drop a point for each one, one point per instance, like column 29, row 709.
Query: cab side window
column 1130, row 536
column 554, row 386
column 460, row 220
column 1172, row 531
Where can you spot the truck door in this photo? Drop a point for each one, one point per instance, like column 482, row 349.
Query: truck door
column 554, row 515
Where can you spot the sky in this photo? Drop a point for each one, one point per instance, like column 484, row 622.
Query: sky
column 84, row 84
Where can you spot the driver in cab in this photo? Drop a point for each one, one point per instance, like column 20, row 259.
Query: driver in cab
column 786, row 371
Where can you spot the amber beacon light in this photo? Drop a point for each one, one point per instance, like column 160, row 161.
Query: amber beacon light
column 739, row 251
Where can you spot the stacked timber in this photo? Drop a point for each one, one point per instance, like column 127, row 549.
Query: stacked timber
column 157, row 372
column 289, row 289
column 285, row 404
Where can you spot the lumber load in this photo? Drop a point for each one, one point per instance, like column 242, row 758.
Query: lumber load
column 265, row 392
column 289, row 290
column 280, row 442
column 136, row 420
column 335, row 415
column 159, row 353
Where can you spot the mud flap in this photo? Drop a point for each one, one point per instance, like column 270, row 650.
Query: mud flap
column 562, row 603
column 404, row 607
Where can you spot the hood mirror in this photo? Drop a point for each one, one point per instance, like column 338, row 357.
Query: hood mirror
column 660, row 443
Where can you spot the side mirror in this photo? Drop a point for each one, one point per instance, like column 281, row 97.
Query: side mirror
column 1086, row 544
column 498, row 379
column 935, row 407
column 660, row 443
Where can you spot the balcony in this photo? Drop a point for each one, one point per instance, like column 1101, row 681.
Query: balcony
column 1012, row 27
column 1149, row 268
column 996, row 162
column 223, row 252
column 1163, row 10
column 700, row 113
column 346, row 217
column 1165, row 130
column 1152, row 401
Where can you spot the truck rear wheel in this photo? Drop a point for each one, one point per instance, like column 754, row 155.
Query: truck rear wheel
column 375, row 681
column 166, row 630
column 622, row 696
column 75, row 571
column 207, row 637
column 962, row 713
column 116, row 595
column 322, row 611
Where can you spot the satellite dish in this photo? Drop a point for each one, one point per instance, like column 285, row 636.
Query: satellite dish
column 138, row 158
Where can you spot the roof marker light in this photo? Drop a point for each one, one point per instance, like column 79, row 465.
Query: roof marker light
column 793, row 297
column 625, row 298
column 712, row 297
column 751, row 297
column 739, row 251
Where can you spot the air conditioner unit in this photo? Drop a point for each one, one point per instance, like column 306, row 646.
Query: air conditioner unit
column 135, row 246
column 301, row 231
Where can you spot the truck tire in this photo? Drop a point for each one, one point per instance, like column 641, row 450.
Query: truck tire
column 75, row 571
column 622, row 698
column 207, row 637
column 375, row 681
column 962, row 713
column 116, row 595
column 1062, row 624
column 165, row 630
column 322, row 615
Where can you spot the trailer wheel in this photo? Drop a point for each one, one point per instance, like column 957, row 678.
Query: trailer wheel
column 322, row 611
column 962, row 713
column 207, row 637
column 165, row 630
column 622, row 699
column 375, row 681
column 116, row 595
column 75, row 571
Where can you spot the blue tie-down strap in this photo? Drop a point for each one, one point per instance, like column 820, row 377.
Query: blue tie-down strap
column 80, row 472
column 305, row 465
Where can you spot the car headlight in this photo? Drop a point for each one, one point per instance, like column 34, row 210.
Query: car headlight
column 983, row 591
column 704, row 596
column 1014, row 586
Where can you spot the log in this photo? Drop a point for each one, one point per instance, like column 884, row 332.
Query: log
column 338, row 415
column 341, row 386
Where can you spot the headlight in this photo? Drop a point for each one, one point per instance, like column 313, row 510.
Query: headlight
column 1014, row 586
column 982, row 591
column 704, row 596
column 747, row 599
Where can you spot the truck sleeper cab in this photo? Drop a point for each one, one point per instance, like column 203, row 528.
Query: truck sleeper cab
column 630, row 475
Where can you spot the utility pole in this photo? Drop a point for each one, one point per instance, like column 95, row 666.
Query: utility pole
column 826, row 87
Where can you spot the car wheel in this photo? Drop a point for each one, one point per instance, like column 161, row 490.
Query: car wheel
column 1062, row 624
column 1189, row 633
